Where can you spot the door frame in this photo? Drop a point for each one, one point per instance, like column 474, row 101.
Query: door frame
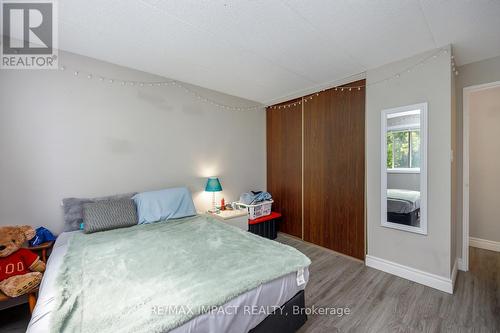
column 467, row 91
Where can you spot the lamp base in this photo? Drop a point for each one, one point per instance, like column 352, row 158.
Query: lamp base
column 214, row 208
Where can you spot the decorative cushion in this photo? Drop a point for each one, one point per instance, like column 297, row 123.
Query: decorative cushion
column 109, row 214
column 172, row 203
column 73, row 209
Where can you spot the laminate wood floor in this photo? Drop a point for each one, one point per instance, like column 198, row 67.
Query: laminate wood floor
column 381, row 302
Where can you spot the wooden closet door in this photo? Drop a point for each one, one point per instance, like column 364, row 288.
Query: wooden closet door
column 334, row 170
column 284, row 165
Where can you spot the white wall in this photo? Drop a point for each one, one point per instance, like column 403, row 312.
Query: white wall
column 427, row 83
column 472, row 74
column 484, row 164
column 405, row 181
column 63, row 136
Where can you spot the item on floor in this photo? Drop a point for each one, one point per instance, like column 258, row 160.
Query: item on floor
column 20, row 269
column 213, row 185
column 266, row 226
column 42, row 235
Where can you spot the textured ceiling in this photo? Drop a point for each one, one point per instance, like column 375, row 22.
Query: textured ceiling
column 267, row 50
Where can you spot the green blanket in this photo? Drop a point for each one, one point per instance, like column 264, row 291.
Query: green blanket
column 154, row 277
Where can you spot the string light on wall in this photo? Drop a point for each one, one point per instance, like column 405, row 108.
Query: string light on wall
column 453, row 67
column 308, row 98
column 124, row 83
column 397, row 75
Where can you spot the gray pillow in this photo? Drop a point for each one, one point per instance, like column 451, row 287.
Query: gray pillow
column 108, row 215
column 73, row 209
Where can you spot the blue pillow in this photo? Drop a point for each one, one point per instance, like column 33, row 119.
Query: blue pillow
column 172, row 203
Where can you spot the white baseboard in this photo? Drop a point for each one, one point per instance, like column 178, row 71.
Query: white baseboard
column 461, row 265
column 454, row 273
column 484, row 244
column 412, row 274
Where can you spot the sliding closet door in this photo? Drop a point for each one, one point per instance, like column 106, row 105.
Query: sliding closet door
column 334, row 170
column 284, row 165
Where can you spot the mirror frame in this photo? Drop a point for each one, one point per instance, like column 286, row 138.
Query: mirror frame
column 423, row 169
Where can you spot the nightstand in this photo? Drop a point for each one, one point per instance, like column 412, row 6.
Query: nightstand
column 42, row 250
column 236, row 217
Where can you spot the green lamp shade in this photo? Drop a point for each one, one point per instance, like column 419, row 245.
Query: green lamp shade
column 213, row 185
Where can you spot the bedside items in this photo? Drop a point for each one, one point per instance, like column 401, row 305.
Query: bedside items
column 213, row 185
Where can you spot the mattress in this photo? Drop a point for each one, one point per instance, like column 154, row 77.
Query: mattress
column 240, row 314
column 402, row 201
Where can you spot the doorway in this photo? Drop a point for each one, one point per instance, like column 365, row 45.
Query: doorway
column 481, row 162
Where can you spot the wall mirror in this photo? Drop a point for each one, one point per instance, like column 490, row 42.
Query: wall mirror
column 404, row 168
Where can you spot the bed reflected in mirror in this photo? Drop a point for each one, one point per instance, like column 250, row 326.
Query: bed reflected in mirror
column 404, row 168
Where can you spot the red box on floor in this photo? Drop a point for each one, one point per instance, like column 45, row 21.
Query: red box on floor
column 265, row 226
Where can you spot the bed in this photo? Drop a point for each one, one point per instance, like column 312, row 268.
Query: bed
column 403, row 207
column 266, row 295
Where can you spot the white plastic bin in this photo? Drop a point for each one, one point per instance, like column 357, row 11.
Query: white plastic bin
column 258, row 210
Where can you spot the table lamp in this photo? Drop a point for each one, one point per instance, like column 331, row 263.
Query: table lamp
column 213, row 185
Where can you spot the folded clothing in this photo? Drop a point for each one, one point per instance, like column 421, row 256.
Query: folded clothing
column 255, row 197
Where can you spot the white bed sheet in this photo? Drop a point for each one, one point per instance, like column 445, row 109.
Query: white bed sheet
column 235, row 318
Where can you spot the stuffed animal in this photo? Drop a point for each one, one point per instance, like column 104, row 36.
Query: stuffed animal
column 20, row 269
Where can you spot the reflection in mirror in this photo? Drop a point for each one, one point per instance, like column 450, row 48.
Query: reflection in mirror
column 402, row 139
column 403, row 168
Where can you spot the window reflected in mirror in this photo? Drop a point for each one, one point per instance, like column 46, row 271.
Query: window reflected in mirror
column 402, row 170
